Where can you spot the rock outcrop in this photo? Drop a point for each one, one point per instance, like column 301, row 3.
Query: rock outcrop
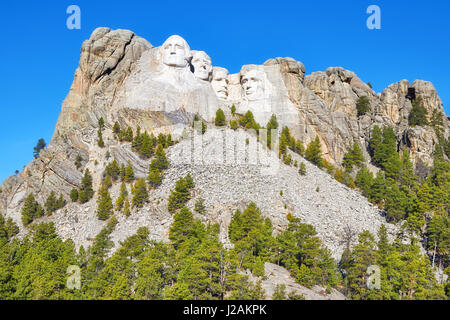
column 276, row 275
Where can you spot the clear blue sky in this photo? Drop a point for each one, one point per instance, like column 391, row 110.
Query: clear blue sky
column 39, row 54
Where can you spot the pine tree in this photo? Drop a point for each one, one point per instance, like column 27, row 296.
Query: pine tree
column 273, row 123
column 234, row 124
column 199, row 206
column 313, row 152
column 154, row 178
column 126, row 135
column 362, row 256
column 418, row 115
column 162, row 140
column 248, row 121
column 31, row 210
column 353, row 157
column 407, row 176
column 77, row 162
column 282, row 146
column 113, row 170
column 51, row 203
column 170, row 142
column 364, row 180
column 136, row 144
column 116, row 128
column 375, row 142
column 146, row 148
column 220, row 118
column 8, row 229
column 74, row 195
column 233, row 109
column 302, row 169
column 60, row 203
column 39, row 146
column 100, row 141
column 396, row 202
column 107, row 181
column 160, row 162
column 182, row 227
column 280, row 292
column 393, row 166
column 189, row 182
column 126, row 208
column 86, row 192
column 101, row 123
column 388, row 147
column 362, row 105
column 129, row 173
column 104, row 203
column 384, row 248
column 377, row 190
column 180, row 195
column 203, row 127
column 140, row 193
column 122, row 196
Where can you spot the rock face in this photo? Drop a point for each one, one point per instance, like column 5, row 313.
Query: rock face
column 277, row 275
column 122, row 77
column 106, row 60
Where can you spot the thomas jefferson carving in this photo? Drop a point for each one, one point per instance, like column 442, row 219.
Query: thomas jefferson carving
column 201, row 64
column 220, row 82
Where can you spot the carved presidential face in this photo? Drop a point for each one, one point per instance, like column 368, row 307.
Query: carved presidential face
column 176, row 52
column 253, row 84
column 220, row 82
column 202, row 65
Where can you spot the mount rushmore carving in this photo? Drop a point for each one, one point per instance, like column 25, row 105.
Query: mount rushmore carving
column 173, row 77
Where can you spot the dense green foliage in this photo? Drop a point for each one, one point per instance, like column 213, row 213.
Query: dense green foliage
column 195, row 265
column 271, row 125
column 144, row 144
column 302, row 169
column 160, row 162
column 104, row 203
column 313, row 152
column 418, row 115
column 300, row 250
column 77, row 162
column 85, row 192
column 31, row 210
column 181, row 194
column 383, row 146
column 140, row 193
column 405, row 272
column 52, row 203
column 247, row 121
column 362, row 105
column 8, row 229
column 353, row 157
column 113, row 170
column 39, row 146
column 220, row 118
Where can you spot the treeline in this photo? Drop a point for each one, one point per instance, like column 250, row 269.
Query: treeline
column 195, row 265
